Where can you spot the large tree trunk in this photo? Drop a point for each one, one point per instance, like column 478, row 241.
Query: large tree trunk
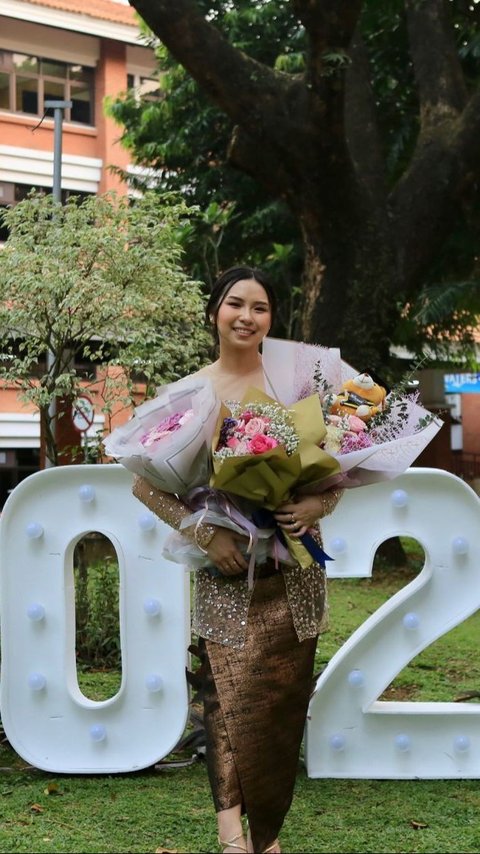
column 347, row 295
column 313, row 141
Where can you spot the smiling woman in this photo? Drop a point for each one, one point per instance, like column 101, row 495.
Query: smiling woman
column 240, row 311
column 257, row 640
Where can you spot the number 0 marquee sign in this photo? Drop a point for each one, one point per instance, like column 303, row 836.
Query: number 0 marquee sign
column 349, row 733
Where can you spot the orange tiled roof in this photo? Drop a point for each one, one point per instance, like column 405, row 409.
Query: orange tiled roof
column 106, row 10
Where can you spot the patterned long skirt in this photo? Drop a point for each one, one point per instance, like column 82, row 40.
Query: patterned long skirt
column 255, row 705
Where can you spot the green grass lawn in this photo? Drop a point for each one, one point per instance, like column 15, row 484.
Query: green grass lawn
column 169, row 808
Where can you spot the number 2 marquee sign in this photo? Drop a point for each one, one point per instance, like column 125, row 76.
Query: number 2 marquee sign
column 349, row 732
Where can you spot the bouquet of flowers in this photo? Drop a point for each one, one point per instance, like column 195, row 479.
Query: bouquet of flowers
column 262, row 451
column 168, row 438
column 377, row 446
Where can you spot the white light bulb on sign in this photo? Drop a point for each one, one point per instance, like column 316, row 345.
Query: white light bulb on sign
column 461, row 743
column 152, row 607
column 153, row 682
column 399, row 498
column 338, row 545
column 36, row 612
column 98, row 732
column 460, row 545
column 411, row 621
column 37, row 681
column 34, row 530
column 402, row 742
column 86, row 493
column 356, row 678
column 337, row 741
column 147, row 522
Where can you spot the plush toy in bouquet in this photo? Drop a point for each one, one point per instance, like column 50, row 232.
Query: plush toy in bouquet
column 363, row 396
column 348, row 413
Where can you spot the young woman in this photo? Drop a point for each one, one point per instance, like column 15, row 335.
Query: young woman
column 257, row 646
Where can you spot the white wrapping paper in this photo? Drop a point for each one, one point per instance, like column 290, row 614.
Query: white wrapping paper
column 289, row 369
column 182, row 459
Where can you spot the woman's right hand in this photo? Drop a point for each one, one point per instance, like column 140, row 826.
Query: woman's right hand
column 223, row 551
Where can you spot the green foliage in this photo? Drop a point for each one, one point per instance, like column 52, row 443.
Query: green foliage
column 443, row 321
column 97, row 614
column 185, row 140
column 101, row 281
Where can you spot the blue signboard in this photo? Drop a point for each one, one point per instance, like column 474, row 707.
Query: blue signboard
column 461, row 383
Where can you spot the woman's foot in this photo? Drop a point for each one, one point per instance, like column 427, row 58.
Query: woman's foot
column 233, row 845
column 273, row 848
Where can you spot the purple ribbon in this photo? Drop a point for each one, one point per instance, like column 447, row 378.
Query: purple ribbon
column 198, row 498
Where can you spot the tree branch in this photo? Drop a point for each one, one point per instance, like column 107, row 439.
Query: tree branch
column 438, row 73
column 238, row 84
column 261, row 162
column 445, row 160
column 361, row 125
column 328, row 23
column 439, row 174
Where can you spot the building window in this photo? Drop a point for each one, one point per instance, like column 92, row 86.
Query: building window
column 144, row 88
column 27, row 81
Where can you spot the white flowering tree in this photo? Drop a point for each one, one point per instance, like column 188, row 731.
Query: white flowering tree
column 98, row 283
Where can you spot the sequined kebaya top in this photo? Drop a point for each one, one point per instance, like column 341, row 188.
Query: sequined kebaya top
column 221, row 604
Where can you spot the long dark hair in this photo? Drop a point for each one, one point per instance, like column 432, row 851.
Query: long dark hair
column 228, row 279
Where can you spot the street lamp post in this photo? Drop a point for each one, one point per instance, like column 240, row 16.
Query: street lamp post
column 58, row 108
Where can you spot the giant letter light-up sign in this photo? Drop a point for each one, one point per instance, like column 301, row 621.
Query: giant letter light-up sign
column 349, row 732
column 46, row 717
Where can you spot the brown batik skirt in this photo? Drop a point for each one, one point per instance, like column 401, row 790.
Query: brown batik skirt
column 255, row 704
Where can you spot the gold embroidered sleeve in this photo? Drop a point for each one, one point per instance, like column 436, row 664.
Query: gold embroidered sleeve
column 172, row 510
column 331, row 497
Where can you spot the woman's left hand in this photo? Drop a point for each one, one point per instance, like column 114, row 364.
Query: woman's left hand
column 296, row 517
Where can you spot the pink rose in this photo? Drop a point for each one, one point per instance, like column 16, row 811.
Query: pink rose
column 233, row 442
column 356, row 424
column 247, row 415
column 260, row 444
column 255, row 425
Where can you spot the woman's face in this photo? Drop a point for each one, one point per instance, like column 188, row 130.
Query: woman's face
column 244, row 317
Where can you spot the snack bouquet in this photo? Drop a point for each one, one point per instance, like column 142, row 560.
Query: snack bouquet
column 168, row 438
column 263, row 452
column 373, row 432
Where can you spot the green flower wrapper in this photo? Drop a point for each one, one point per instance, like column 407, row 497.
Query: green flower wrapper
column 270, row 479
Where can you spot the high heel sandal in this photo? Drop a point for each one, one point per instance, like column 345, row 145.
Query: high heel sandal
column 232, row 843
column 265, row 850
